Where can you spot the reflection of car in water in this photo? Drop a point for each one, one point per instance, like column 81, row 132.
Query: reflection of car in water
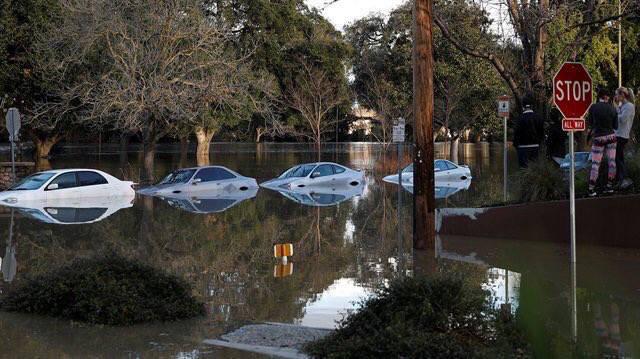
column 209, row 203
column 200, row 180
column 322, row 196
column 582, row 161
column 324, row 174
column 66, row 211
column 444, row 171
column 65, row 184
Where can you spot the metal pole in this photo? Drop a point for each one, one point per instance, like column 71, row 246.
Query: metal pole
column 504, row 160
column 572, row 198
column 400, row 189
column 574, row 305
column 619, row 44
column 13, row 161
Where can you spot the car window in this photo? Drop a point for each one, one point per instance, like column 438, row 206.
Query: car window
column 32, row 182
column 75, row 215
column 440, row 166
column 450, row 166
column 213, row 205
column 407, row 169
column 179, row 176
column 214, row 174
column 327, row 198
column 302, row 171
column 338, row 169
column 323, row 171
column 88, row 178
column 65, row 180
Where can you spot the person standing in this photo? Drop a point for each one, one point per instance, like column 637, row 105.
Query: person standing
column 626, row 113
column 528, row 133
column 603, row 121
column 556, row 137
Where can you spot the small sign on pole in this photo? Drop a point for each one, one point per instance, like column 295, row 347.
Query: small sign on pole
column 398, row 131
column 13, row 127
column 572, row 95
column 503, row 106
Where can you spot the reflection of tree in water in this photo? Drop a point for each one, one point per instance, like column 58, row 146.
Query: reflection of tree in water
column 227, row 257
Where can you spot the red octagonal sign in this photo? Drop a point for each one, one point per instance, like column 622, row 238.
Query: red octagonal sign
column 573, row 90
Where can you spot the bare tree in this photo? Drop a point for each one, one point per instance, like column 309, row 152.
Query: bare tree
column 313, row 94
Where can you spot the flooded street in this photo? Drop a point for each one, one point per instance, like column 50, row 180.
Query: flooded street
column 345, row 245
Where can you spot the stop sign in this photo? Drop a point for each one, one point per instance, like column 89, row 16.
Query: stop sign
column 572, row 90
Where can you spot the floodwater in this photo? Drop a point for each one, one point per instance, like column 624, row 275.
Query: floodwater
column 342, row 252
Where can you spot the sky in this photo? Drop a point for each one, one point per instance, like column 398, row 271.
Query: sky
column 343, row 12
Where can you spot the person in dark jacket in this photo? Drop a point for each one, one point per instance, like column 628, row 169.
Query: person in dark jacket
column 528, row 133
column 556, row 137
column 603, row 121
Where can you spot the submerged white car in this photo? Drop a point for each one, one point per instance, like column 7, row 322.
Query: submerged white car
column 322, row 196
column 444, row 171
column 209, row 203
column 319, row 174
column 75, row 210
column 200, row 180
column 65, row 184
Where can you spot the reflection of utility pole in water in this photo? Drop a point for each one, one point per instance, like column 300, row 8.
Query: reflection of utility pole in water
column 9, row 264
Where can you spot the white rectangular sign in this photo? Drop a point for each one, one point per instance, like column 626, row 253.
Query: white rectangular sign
column 398, row 133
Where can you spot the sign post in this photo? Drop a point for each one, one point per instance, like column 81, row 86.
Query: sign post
column 573, row 95
column 503, row 111
column 398, row 137
column 13, row 127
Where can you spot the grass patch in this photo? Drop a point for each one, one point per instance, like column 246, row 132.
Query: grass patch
column 105, row 290
column 440, row 317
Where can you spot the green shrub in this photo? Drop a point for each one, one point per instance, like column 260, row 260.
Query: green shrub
column 105, row 290
column 440, row 317
column 542, row 180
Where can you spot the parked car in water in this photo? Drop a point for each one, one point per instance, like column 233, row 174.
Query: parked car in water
column 218, row 201
column 200, row 180
column 582, row 161
column 75, row 210
column 445, row 190
column 444, row 171
column 65, row 184
column 327, row 174
column 322, row 196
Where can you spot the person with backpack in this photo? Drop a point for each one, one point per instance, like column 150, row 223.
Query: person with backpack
column 528, row 133
column 603, row 122
column 626, row 113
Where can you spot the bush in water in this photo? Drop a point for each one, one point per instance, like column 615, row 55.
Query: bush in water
column 105, row 290
column 439, row 317
column 542, row 180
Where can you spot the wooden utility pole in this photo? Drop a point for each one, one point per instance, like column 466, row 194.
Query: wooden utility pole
column 423, row 195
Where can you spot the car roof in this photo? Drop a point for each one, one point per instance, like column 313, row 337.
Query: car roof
column 200, row 167
column 318, row 163
column 65, row 170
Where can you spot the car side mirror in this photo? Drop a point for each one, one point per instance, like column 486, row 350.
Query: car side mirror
column 52, row 186
column 196, row 181
column 315, row 174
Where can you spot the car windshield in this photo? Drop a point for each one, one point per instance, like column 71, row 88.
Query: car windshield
column 580, row 157
column 299, row 171
column 407, row 169
column 32, row 182
column 180, row 176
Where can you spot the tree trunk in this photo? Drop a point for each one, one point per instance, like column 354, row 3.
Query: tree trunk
column 44, row 144
column 259, row 133
column 124, row 145
column 453, row 149
column 203, row 136
column 184, row 151
column 148, row 153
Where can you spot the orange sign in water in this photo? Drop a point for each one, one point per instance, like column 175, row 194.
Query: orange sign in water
column 282, row 250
